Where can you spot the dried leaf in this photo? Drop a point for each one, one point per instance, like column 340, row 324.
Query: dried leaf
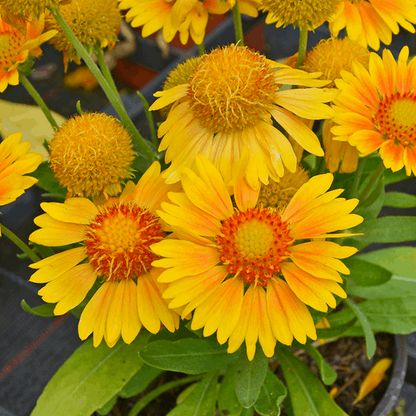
column 373, row 378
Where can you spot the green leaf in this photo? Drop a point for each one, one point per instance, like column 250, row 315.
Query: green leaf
column 189, row 355
column 386, row 230
column 393, row 177
column 48, row 182
column 90, row 378
column 328, row 374
column 308, row 396
column 249, row 377
column 228, row 403
column 140, row 381
column 367, row 274
column 45, row 310
column 108, row 406
column 201, row 401
column 392, row 315
column 247, row 412
column 399, row 200
column 271, row 395
column 370, row 340
column 371, row 207
column 334, row 331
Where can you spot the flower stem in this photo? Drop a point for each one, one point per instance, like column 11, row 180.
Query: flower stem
column 238, row 25
column 303, row 45
column 19, row 243
column 142, row 403
column 39, row 100
column 150, row 119
column 113, row 97
column 357, row 178
column 105, row 70
column 372, row 182
column 201, row 48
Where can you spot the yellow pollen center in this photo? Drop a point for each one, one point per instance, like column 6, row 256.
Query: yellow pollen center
column 231, row 88
column 395, row 118
column 10, row 47
column 118, row 240
column 254, row 243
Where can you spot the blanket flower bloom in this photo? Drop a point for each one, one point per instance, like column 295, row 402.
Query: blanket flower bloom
column 115, row 239
column 15, row 162
column 186, row 17
column 375, row 109
column 95, row 24
column 90, row 154
column 302, row 13
column 371, row 21
column 17, row 47
column 227, row 106
column 253, row 264
column 30, row 10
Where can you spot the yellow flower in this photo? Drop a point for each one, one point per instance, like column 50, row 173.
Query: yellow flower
column 16, row 48
column 188, row 17
column 226, row 109
column 302, row 13
column 95, row 24
column 372, row 21
column 29, row 10
column 114, row 241
column 15, row 161
column 253, row 265
column 90, row 154
column 375, row 109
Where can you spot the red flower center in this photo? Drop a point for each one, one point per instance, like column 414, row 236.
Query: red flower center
column 254, row 243
column 118, row 241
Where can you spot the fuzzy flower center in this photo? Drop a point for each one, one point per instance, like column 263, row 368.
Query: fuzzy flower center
column 231, row 88
column 395, row 118
column 254, row 243
column 309, row 13
column 118, row 241
column 11, row 42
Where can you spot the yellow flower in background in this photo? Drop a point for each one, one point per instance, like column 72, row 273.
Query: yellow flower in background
column 95, row 24
column 27, row 9
column 91, row 154
column 226, row 108
column 114, row 245
column 372, row 21
column 15, row 162
column 16, row 48
column 256, row 266
column 173, row 16
column 331, row 56
column 302, row 13
column 376, row 107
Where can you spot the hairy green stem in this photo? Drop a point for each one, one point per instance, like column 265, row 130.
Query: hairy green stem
column 201, row 48
column 357, row 178
column 39, row 100
column 150, row 119
column 372, row 182
column 113, row 97
column 19, row 243
column 106, row 71
column 238, row 25
column 303, row 45
column 142, row 403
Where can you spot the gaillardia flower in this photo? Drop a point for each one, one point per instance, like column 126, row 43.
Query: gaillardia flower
column 372, row 21
column 15, row 161
column 91, row 154
column 303, row 13
column 16, row 48
column 376, row 108
column 29, row 10
column 113, row 246
column 173, row 16
column 226, row 108
column 331, row 56
column 257, row 266
column 95, row 24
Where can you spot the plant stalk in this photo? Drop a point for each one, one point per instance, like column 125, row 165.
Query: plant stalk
column 372, row 183
column 238, row 25
column 39, row 101
column 106, row 71
column 303, row 45
column 357, row 178
column 19, row 243
column 150, row 119
column 114, row 98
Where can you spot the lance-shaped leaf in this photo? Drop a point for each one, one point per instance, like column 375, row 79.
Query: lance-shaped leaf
column 364, row 273
column 308, row 396
column 90, row 378
column 328, row 374
column 272, row 393
column 399, row 200
column 228, row 403
column 45, row 310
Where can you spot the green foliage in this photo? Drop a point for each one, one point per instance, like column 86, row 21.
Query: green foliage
column 308, row 396
column 45, row 310
column 399, row 200
column 140, row 381
column 272, row 393
column 48, row 182
column 371, row 207
column 90, row 378
column 228, row 403
column 334, row 331
column 192, row 356
column 364, row 273
column 328, row 374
